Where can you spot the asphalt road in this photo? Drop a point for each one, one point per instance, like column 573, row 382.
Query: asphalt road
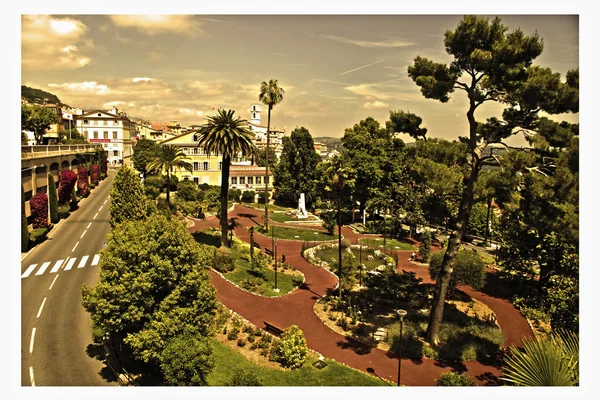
column 56, row 333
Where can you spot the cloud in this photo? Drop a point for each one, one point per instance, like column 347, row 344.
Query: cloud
column 366, row 43
column 136, row 79
column 157, row 24
column 49, row 42
column 361, row 67
column 154, row 55
column 91, row 87
column 375, row 104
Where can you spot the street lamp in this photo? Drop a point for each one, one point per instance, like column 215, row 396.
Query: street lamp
column 401, row 315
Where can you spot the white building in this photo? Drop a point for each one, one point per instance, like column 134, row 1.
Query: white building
column 260, row 132
column 112, row 128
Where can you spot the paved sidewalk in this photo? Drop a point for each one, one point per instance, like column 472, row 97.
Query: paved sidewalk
column 297, row 308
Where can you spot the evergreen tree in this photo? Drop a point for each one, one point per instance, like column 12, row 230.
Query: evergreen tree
column 127, row 199
column 425, row 246
column 24, row 228
column 53, row 199
column 144, row 152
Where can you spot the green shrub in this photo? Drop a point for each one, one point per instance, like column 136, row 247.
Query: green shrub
column 222, row 260
column 425, row 246
column 263, row 197
column 253, row 344
column 290, row 350
column 258, row 331
column 241, row 342
column 39, row 210
column 53, row 199
column 97, row 333
column 346, row 243
column 234, row 194
column 187, row 360
column 259, row 264
column 455, row 379
column 232, row 334
column 329, row 221
column 251, row 338
column 63, row 212
column 155, row 181
column 247, row 329
column 151, row 191
column 469, row 269
column 187, row 191
column 242, row 377
column 248, row 196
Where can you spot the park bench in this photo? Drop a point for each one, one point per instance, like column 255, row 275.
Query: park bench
column 273, row 329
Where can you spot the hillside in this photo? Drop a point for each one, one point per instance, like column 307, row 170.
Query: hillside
column 331, row 142
column 34, row 95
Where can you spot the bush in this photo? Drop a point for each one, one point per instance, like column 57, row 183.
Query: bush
column 187, row 190
column 232, row 334
column 234, row 195
column 151, row 192
column 187, row 360
column 248, row 196
column 37, row 236
column 425, row 246
column 242, row 377
column 39, row 210
column 248, row 329
column 263, row 197
column 155, row 181
column 455, row 379
column 97, row 333
column 66, row 184
column 191, row 208
column 94, row 175
column 82, row 182
column 469, row 269
column 346, row 243
column 241, row 342
column 291, row 350
column 222, row 260
column 63, row 211
column 329, row 221
column 258, row 265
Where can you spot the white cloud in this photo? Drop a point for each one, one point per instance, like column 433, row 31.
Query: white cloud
column 367, row 43
column 361, row 67
column 82, row 87
column 375, row 104
column 156, row 24
column 136, row 79
column 49, row 42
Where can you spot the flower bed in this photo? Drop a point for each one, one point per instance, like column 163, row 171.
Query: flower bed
column 375, row 262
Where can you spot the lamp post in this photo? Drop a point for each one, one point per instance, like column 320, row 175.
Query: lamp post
column 401, row 314
column 276, row 290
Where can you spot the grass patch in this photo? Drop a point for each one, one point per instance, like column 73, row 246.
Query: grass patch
column 391, row 244
column 272, row 207
column 282, row 217
column 298, row 234
column 38, row 235
column 335, row 374
column 208, row 238
column 328, row 254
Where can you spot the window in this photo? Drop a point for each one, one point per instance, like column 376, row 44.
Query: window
column 195, row 150
column 234, row 180
column 258, row 180
column 95, row 134
column 195, row 166
column 105, row 134
column 105, row 145
column 242, row 180
column 220, row 165
column 205, row 152
column 105, row 122
column 86, row 122
column 196, row 137
column 266, row 180
column 116, row 153
column 205, row 166
column 114, row 134
column 250, row 180
column 85, row 134
column 196, row 180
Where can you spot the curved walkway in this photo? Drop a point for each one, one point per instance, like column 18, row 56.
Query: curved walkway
column 297, row 308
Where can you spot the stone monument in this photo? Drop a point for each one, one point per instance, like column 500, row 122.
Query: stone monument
column 301, row 211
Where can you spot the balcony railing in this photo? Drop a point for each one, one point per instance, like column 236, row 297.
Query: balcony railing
column 57, row 150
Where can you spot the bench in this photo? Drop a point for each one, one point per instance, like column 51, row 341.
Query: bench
column 269, row 252
column 273, row 329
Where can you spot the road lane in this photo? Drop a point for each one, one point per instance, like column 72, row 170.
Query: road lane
column 63, row 328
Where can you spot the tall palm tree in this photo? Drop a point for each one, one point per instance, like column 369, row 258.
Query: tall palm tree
column 227, row 135
column 270, row 95
column 169, row 158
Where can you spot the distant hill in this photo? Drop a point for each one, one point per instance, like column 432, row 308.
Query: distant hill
column 331, row 142
column 34, row 95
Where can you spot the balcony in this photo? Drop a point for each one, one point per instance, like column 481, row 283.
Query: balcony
column 29, row 152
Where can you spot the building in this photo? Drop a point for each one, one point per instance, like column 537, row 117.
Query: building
column 113, row 129
column 321, row 150
column 260, row 132
column 248, row 177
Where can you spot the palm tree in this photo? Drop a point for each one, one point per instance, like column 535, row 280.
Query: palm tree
column 227, row 135
column 169, row 158
column 270, row 95
column 232, row 223
column 550, row 361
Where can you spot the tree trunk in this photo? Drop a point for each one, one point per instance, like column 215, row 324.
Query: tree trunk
column 224, row 193
column 169, row 187
column 339, row 207
column 266, row 222
column 487, row 223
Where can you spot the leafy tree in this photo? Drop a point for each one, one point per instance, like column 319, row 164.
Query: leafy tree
column 53, row 199
column 296, row 171
column 145, row 152
column 169, row 157
column 248, row 196
column 328, row 219
column 187, row 360
column 489, row 64
column 82, row 182
column 549, row 361
column 127, row 200
column 39, row 210
column 37, row 119
column 291, row 350
column 244, row 377
column 187, row 190
column 263, row 197
column 234, row 195
column 24, row 227
column 425, row 246
column 232, row 223
column 94, row 174
column 406, row 122
column 154, row 285
column 455, row 379
column 261, row 157
column 34, row 95
column 229, row 136
column 469, row 269
column 72, row 137
column 270, row 95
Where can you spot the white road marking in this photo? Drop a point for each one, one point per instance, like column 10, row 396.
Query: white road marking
column 75, row 247
column 105, row 201
column 96, row 259
column 52, row 284
column 43, row 268
column 56, row 266
column 25, row 256
column 32, row 340
column 41, row 308
column 100, row 208
column 70, row 264
column 95, row 216
column 31, row 376
column 83, row 234
column 88, row 227
column 83, row 261
column 29, row 271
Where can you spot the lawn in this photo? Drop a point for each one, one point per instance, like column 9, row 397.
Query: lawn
column 282, row 217
column 335, row 374
column 298, row 234
column 328, row 254
column 391, row 244
column 272, row 207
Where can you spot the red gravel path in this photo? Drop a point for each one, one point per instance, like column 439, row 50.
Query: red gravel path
column 297, row 308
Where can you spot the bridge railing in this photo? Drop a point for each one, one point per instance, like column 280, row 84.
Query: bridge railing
column 57, row 150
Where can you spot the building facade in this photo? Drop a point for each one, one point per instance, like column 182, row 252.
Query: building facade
column 260, row 132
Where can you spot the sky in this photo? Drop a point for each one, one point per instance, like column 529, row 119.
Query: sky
column 335, row 69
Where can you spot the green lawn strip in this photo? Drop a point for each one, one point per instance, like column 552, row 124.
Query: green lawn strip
column 272, row 207
column 285, row 282
column 282, row 217
column 335, row 374
column 390, row 244
column 282, row 232
column 328, row 254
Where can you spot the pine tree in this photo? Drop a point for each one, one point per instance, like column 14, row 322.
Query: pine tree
column 24, row 229
column 425, row 246
column 53, row 199
column 127, row 199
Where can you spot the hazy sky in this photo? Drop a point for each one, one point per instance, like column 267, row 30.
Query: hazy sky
column 335, row 69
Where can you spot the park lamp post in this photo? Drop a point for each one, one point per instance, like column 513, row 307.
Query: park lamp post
column 401, row 315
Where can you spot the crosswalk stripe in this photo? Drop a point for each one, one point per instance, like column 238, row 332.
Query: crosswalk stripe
column 83, row 261
column 96, row 259
column 43, row 268
column 70, row 264
column 29, row 271
column 56, row 266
